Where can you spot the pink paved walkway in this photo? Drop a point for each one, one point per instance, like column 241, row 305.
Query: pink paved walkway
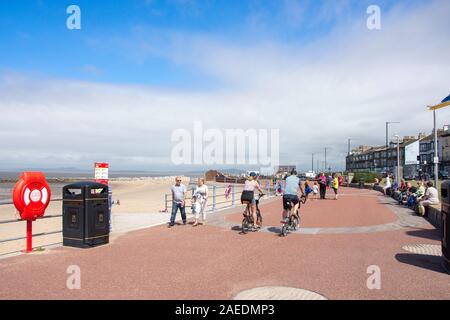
column 217, row 263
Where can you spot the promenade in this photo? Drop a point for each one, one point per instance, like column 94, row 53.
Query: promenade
column 329, row 257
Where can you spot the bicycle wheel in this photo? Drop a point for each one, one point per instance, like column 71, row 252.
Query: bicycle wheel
column 245, row 226
column 259, row 218
column 285, row 227
column 284, row 230
column 295, row 223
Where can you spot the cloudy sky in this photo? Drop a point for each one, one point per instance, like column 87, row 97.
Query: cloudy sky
column 138, row 70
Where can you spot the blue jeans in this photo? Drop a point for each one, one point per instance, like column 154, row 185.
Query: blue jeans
column 175, row 207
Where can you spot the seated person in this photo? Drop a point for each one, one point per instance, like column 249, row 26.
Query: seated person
column 403, row 187
column 420, row 190
column 410, row 196
column 376, row 182
column 431, row 196
column 405, row 192
column 387, row 185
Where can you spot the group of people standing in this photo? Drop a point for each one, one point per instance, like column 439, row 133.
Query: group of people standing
column 200, row 194
column 321, row 183
column 199, row 201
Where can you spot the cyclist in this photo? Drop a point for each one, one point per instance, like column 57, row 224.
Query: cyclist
column 248, row 195
column 293, row 186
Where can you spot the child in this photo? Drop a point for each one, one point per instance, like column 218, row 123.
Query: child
column 315, row 190
column 308, row 189
column 279, row 188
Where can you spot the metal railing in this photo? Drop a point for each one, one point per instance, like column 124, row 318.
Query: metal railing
column 220, row 196
column 40, row 234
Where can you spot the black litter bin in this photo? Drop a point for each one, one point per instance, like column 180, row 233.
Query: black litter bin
column 361, row 183
column 445, row 199
column 85, row 214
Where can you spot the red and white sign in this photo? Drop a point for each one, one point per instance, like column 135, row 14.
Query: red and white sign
column 101, row 172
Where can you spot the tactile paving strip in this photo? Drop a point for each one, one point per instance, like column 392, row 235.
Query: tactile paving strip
column 426, row 249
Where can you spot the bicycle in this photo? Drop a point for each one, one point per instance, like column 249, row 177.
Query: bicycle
column 247, row 222
column 292, row 222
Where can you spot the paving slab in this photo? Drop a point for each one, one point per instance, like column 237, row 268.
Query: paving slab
column 218, row 262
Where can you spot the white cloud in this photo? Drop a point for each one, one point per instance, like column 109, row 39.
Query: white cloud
column 344, row 85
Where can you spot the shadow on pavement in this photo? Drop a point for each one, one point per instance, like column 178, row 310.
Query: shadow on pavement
column 432, row 263
column 431, row 234
column 274, row 229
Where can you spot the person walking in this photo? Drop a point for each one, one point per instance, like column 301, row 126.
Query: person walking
column 200, row 198
column 178, row 201
column 335, row 186
column 323, row 186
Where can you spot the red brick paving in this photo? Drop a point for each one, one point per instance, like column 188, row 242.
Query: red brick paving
column 214, row 263
column 331, row 213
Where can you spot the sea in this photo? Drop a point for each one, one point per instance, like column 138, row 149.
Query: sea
column 57, row 180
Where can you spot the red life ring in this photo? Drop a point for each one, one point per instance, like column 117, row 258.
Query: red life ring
column 31, row 195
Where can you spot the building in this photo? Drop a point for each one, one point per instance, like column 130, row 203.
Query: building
column 444, row 150
column 427, row 151
column 416, row 154
column 382, row 159
column 212, row 175
column 285, row 169
column 427, row 154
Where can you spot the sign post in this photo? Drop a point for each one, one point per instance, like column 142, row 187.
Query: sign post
column 101, row 172
column 101, row 175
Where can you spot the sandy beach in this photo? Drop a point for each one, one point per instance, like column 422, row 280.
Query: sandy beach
column 136, row 196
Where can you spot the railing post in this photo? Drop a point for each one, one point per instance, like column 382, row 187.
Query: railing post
column 165, row 203
column 233, row 197
column 214, row 198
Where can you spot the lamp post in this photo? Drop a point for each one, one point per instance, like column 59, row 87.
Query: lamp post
column 436, row 157
column 348, row 156
column 398, row 159
column 325, row 166
column 312, row 163
column 348, row 153
column 387, row 140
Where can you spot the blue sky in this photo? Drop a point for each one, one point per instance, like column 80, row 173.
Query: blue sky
column 35, row 39
column 140, row 69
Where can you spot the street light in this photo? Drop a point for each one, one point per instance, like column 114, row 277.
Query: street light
column 398, row 159
column 349, row 139
column 387, row 142
column 444, row 103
